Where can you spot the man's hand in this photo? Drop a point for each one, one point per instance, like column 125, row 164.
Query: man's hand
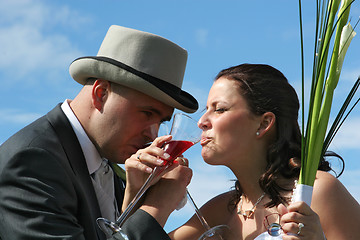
column 165, row 196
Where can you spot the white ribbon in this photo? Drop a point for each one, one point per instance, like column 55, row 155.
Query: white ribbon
column 303, row 193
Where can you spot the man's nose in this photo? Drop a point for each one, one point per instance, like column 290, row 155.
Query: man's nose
column 152, row 131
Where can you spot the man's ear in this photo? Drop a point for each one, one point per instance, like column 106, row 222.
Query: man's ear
column 267, row 122
column 100, row 92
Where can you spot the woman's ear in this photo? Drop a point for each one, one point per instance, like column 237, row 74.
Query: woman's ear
column 100, row 93
column 267, row 122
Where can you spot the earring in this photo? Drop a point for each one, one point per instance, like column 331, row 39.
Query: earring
column 257, row 133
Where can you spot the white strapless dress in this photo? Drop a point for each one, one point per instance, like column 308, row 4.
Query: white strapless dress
column 267, row 236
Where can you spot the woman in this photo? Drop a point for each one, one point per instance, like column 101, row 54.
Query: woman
column 251, row 127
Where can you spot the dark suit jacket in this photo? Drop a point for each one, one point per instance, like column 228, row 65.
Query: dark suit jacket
column 46, row 191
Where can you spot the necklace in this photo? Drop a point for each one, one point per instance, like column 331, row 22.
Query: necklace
column 250, row 212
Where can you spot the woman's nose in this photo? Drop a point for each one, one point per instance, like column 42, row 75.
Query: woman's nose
column 203, row 122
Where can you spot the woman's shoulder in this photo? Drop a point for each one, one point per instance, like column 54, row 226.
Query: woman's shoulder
column 326, row 178
column 220, row 200
column 335, row 206
column 219, row 208
column 330, row 196
column 327, row 188
column 214, row 213
column 324, row 182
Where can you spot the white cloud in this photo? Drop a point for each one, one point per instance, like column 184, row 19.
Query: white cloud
column 350, row 75
column 28, row 44
column 16, row 116
column 29, row 50
column 348, row 137
column 201, row 37
column 39, row 14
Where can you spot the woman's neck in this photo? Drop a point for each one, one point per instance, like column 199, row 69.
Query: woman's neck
column 249, row 182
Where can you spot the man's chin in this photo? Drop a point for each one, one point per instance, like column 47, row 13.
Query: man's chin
column 121, row 158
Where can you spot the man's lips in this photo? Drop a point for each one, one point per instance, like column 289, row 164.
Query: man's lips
column 146, row 145
column 139, row 146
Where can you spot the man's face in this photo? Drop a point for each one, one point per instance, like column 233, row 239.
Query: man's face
column 129, row 119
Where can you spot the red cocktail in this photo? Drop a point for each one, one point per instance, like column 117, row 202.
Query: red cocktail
column 175, row 148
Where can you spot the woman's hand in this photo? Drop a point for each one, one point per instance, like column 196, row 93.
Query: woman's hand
column 142, row 163
column 299, row 221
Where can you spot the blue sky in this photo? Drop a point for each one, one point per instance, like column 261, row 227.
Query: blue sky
column 39, row 39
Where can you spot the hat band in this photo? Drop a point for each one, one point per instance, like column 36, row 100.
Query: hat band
column 161, row 84
column 171, row 90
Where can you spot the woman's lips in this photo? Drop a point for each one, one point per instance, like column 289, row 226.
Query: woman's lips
column 204, row 141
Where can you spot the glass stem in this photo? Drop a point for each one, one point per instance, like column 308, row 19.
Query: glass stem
column 157, row 171
column 197, row 211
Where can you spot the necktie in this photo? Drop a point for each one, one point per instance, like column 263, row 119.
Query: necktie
column 119, row 171
column 103, row 181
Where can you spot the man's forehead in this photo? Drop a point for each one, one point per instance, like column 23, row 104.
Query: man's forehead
column 146, row 102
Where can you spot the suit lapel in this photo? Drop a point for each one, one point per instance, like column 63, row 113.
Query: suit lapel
column 77, row 161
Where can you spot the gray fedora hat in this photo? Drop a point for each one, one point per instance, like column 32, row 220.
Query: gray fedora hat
column 143, row 61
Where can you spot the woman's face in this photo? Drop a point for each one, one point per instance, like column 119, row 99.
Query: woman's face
column 229, row 128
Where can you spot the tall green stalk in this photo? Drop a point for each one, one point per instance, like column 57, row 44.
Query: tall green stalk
column 324, row 79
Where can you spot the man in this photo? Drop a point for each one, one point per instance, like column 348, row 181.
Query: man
column 52, row 172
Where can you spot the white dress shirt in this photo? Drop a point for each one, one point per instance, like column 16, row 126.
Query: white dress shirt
column 93, row 162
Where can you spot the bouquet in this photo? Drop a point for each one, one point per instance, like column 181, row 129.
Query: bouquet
column 332, row 39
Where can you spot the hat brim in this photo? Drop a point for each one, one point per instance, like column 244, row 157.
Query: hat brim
column 109, row 69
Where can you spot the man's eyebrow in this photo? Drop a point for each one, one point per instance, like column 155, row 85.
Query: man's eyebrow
column 156, row 111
